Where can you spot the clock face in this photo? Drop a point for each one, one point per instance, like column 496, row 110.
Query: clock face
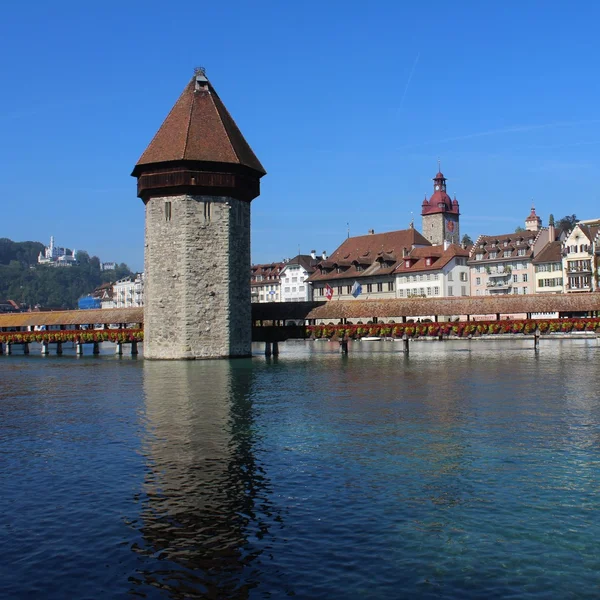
column 437, row 187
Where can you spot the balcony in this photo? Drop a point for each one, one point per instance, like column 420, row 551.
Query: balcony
column 579, row 269
column 499, row 274
column 498, row 285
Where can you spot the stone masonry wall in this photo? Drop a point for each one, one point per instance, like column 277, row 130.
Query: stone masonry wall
column 434, row 229
column 197, row 288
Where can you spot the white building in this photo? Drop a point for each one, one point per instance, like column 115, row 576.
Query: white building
column 579, row 262
column 433, row 271
column 293, row 276
column 128, row 292
column 56, row 256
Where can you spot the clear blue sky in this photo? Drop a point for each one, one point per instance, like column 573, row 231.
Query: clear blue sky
column 347, row 104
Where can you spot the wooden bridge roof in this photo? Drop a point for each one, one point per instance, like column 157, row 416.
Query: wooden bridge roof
column 468, row 305
column 106, row 316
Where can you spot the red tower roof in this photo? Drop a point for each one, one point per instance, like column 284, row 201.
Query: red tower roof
column 199, row 128
column 198, row 149
column 439, row 202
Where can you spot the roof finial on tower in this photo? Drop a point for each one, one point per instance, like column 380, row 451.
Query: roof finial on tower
column 439, row 165
column 200, row 71
column 412, row 220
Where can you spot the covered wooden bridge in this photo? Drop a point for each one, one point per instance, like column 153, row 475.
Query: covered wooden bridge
column 118, row 325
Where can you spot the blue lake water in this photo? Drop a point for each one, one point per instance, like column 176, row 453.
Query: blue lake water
column 466, row 470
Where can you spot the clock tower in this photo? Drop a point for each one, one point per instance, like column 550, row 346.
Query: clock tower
column 440, row 214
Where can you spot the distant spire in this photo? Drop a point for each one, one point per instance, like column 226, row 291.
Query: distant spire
column 439, row 165
column 348, row 226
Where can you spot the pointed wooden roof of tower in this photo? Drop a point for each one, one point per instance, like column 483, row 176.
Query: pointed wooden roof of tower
column 199, row 128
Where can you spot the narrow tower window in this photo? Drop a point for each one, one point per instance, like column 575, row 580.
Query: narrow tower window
column 167, row 211
column 207, row 210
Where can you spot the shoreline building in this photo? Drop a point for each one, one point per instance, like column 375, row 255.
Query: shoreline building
column 56, row 256
column 129, row 292
column 294, row 275
column 370, row 260
column 433, row 271
column 197, row 178
column 502, row 264
column 265, row 283
column 580, row 257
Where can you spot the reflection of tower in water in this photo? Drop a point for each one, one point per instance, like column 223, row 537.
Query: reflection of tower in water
column 206, row 508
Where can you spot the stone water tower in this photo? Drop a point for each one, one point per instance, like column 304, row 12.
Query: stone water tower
column 197, row 179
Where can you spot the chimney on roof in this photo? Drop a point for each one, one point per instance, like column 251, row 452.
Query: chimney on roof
column 201, row 83
column 446, row 244
column 313, row 254
column 551, row 229
column 371, row 232
column 324, row 255
column 404, row 252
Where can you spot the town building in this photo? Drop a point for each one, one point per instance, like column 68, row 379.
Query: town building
column 548, row 267
column 56, row 256
column 129, row 292
column 502, row 264
column 580, row 257
column 294, row 275
column 440, row 215
column 370, row 260
column 433, row 271
column 265, row 284
column 108, row 266
column 197, row 178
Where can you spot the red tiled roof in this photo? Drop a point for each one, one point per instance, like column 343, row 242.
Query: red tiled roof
column 495, row 243
column 378, row 253
column 439, row 258
column 268, row 271
column 199, row 128
column 551, row 252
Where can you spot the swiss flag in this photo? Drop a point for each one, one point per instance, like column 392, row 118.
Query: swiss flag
column 328, row 292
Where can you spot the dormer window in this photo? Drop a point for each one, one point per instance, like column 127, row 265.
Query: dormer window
column 407, row 264
column 428, row 261
column 358, row 267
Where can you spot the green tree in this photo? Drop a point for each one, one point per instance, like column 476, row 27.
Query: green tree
column 567, row 222
column 466, row 240
column 519, row 229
